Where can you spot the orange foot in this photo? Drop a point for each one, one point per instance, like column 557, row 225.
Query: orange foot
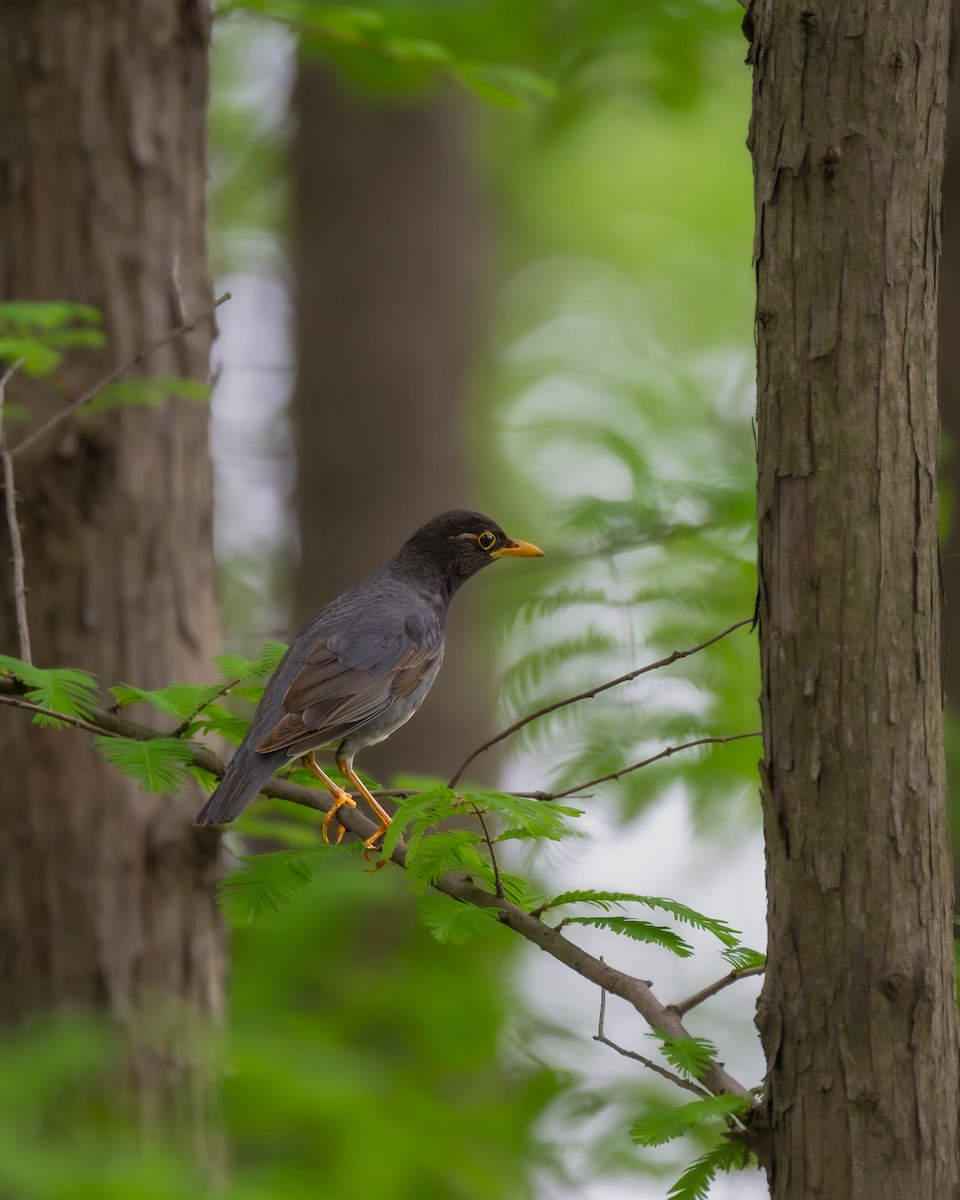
column 340, row 798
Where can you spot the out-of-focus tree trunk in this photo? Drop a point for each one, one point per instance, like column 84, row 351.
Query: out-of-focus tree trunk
column 386, row 256
column 858, row 1012
column 105, row 891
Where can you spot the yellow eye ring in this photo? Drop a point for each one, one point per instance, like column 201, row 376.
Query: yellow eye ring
column 487, row 540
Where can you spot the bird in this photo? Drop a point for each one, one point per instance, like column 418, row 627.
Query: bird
column 361, row 667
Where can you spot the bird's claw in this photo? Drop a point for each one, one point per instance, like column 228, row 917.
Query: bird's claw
column 339, row 800
column 370, row 847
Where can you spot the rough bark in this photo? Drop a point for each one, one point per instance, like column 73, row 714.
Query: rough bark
column 387, row 237
column 105, row 896
column 948, row 390
column 858, row 1012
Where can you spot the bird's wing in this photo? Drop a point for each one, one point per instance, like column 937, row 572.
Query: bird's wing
column 352, row 675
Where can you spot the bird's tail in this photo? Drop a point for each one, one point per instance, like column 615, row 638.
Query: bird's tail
column 247, row 773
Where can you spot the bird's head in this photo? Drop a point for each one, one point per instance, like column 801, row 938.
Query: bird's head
column 457, row 544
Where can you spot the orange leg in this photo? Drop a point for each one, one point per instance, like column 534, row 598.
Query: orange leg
column 345, row 764
column 340, row 797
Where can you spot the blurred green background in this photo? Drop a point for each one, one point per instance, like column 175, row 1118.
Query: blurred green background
column 604, row 411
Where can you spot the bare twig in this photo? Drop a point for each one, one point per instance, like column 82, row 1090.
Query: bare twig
column 589, row 695
column 497, row 881
column 665, row 753
column 122, row 369
column 16, row 543
column 679, row 1080
column 684, row 1006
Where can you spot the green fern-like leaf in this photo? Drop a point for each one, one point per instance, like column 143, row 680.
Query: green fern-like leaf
column 682, row 912
column 235, row 666
column 437, row 855
column 157, row 764
column 264, row 886
column 694, row 1183
column 418, row 813
column 742, row 958
column 538, row 818
column 179, row 700
column 452, row 922
column 216, row 719
column 691, row 1056
column 63, row 689
column 662, row 1123
column 640, row 931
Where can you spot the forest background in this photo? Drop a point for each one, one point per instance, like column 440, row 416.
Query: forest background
column 501, row 257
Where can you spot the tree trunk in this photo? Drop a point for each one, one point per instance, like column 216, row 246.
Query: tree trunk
column 858, row 1012
column 948, row 391
column 105, row 891
column 387, row 238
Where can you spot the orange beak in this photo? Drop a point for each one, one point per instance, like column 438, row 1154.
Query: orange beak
column 518, row 550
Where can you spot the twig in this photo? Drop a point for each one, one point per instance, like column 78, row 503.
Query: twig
column 497, row 881
column 16, row 544
column 665, row 753
column 588, row 695
column 684, row 1006
column 652, row 1066
column 144, row 352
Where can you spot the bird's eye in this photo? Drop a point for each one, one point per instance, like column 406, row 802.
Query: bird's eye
column 487, row 540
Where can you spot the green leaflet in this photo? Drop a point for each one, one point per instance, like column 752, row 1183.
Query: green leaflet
column 661, row 1123
column 452, row 922
column 689, row 916
column 261, row 889
column 64, row 689
column 694, row 1183
column 160, row 764
column 640, row 931
column 690, row 1056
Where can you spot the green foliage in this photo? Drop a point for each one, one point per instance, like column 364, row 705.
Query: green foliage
column 452, row 922
column 742, row 958
column 661, row 1123
column 148, row 392
column 694, row 1183
column 39, row 332
column 640, row 931
column 160, row 764
column 690, row 1056
column 236, row 667
column 65, row 690
column 682, row 912
column 441, row 853
column 260, row 890
column 216, row 719
column 179, row 700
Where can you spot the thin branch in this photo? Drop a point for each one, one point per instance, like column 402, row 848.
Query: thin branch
column 652, row 1066
column 112, row 376
column 684, row 1006
column 665, row 753
column 589, row 695
column 529, row 926
column 16, row 544
column 497, row 881
column 601, row 1037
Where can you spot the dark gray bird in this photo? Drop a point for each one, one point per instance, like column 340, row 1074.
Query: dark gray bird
column 362, row 666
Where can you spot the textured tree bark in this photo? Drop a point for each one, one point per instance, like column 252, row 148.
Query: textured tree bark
column 858, row 1012
column 387, row 242
column 948, row 391
column 105, row 891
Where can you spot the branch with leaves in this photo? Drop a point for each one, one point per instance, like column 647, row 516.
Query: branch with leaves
column 463, row 889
